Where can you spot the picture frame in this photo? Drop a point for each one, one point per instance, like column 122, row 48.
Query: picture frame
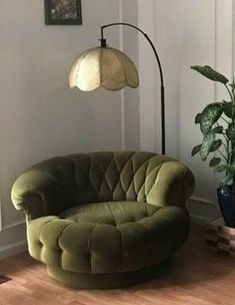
column 63, row 12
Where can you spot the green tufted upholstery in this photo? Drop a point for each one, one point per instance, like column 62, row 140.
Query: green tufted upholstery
column 101, row 220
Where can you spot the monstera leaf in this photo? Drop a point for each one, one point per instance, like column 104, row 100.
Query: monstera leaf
column 210, row 73
column 207, row 144
column 209, row 116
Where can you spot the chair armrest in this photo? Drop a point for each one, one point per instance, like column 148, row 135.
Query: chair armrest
column 174, row 184
column 38, row 193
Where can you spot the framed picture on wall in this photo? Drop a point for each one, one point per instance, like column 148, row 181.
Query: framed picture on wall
column 63, row 12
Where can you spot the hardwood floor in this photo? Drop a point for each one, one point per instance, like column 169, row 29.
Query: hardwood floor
column 197, row 276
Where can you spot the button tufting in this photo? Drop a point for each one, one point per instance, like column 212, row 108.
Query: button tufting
column 113, row 233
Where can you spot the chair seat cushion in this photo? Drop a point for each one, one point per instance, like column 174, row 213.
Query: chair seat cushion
column 108, row 237
column 111, row 213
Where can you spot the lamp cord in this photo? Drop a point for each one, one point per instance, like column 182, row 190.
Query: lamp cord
column 160, row 71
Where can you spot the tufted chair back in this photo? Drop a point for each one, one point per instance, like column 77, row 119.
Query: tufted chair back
column 104, row 176
column 65, row 182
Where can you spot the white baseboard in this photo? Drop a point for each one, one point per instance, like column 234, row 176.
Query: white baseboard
column 15, row 224
column 13, row 239
column 201, row 210
column 198, row 219
column 202, row 200
column 13, row 249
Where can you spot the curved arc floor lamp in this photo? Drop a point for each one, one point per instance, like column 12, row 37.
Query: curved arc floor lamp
column 83, row 76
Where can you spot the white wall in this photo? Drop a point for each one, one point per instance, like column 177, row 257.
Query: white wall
column 131, row 97
column 186, row 32
column 40, row 116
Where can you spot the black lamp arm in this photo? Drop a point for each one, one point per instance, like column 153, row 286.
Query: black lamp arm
column 103, row 44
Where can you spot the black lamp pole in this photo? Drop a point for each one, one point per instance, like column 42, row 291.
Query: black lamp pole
column 103, row 45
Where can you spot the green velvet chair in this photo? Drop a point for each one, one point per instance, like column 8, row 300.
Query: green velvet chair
column 105, row 219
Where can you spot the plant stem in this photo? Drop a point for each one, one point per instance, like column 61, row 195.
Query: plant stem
column 226, row 159
column 225, row 146
column 227, row 122
column 230, row 94
column 228, row 149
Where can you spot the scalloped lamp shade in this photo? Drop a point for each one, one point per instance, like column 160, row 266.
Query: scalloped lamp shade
column 103, row 67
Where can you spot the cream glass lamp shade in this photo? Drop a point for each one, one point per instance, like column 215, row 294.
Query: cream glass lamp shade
column 103, row 67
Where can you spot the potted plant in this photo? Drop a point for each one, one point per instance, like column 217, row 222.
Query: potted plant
column 217, row 125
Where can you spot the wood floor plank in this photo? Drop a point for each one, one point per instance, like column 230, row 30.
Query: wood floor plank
column 197, row 276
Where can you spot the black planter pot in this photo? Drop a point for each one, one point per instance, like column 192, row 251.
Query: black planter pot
column 226, row 198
